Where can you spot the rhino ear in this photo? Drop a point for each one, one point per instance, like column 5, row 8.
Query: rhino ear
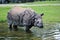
column 42, row 14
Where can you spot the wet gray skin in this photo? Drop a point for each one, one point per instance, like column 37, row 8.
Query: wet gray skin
column 25, row 17
column 38, row 21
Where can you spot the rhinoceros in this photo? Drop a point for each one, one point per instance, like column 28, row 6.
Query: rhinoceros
column 24, row 17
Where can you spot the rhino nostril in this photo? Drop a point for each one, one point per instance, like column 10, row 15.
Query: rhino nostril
column 41, row 27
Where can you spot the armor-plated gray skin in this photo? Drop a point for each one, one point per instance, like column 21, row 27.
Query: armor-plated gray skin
column 27, row 17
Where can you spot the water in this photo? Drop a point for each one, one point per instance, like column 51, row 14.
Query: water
column 53, row 33
column 49, row 32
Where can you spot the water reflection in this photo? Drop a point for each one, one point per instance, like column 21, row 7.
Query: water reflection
column 49, row 32
column 52, row 33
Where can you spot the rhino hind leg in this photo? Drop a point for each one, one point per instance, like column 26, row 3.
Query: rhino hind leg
column 28, row 28
column 15, row 27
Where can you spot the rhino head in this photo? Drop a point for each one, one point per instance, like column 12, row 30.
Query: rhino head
column 38, row 20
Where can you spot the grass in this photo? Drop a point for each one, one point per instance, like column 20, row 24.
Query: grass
column 51, row 13
column 3, row 13
column 44, row 2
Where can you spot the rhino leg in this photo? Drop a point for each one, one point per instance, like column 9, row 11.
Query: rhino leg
column 28, row 28
column 15, row 27
column 10, row 27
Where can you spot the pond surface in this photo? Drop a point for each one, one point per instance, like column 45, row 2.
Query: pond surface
column 49, row 32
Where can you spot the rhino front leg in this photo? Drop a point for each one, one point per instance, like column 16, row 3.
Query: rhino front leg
column 15, row 27
column 10, row 25
column 28, row 28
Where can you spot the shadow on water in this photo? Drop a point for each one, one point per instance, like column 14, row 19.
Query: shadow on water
column 48, row 32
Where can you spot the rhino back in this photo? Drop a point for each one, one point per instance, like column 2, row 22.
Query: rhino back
column 28, row 17
column 21, row 15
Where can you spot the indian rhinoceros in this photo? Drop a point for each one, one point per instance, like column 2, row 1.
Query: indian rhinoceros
column 27, row 17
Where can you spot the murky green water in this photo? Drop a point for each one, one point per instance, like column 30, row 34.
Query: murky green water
column 36, row 33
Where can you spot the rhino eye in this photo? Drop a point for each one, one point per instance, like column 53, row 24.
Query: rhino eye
column 35, row 19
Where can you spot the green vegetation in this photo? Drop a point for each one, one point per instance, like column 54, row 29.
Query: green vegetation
column 3, row 13
column 44, row 2
column 51, row 13
column 22, row 1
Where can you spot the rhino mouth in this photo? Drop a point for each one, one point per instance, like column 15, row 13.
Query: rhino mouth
column 40, row 26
